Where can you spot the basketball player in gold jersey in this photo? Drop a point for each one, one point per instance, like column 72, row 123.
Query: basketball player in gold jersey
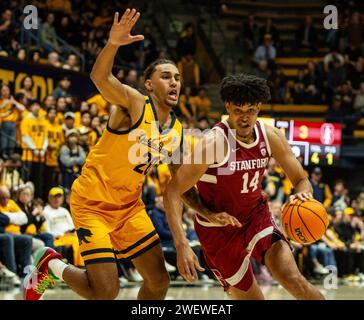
column 106, row 208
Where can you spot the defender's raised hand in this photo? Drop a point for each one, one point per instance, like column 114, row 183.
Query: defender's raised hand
column 120, row 30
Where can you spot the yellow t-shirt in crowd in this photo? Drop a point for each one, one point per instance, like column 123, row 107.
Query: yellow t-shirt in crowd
column 55, row 141
column 9, row 111
column 203, row 105
column 100, row 102
column 36, row 130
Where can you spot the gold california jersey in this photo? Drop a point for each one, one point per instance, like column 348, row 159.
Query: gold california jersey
column 116, row 166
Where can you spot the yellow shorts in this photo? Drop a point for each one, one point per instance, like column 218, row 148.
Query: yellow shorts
column 106, row 230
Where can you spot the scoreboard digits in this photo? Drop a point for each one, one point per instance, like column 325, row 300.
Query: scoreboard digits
column 318, row 143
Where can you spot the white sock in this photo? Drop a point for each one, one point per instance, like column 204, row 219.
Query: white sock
column 57, row 267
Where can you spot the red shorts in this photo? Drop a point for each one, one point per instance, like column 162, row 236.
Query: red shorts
column 227, row 250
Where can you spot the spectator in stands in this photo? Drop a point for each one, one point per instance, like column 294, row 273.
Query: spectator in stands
column 35, row 56
column 279, row 86
column 91, row 48
column 102, row 105
column 14, row 48
column 55, row 141
column 69, row 122
column 186, row 45
column 339, row 200
column 22, row 99
column 347, row 231
column 59, row 224
column 266, row 51
column 48, row 34
column 321, row 191
column 62, row 107
column 131, row 79
column 306, row 35
column 33, row 208
column 63, row 89
column 27, row 87
column 203, row 103
column 249, row 35
column 355, row 30
column 299, row 90
column 352, row 53
column 16, row 249
column 335, row 112
column 273, row 184
column 359, row 102
column 72, row 158
column 149, row 44
column 335, row 78
column 53, row 60
column 21, row 54
column 269, row 28
column 189, row 71
column 321, row 257
column 49, row 102
column 355, row 75
column 34, row 144
column 313, row 76
column 96, row 128
column 263, row 71
column 187, row 107
column 9, row 171
column 5, row 27
column 347, row 97
column 10, row 111
column 331, row 57
column 72, row 63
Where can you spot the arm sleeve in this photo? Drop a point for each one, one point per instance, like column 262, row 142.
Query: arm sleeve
column 65, row 157
column 45, row 142
column 29, row 142
column 81, row 157
column 18, row 218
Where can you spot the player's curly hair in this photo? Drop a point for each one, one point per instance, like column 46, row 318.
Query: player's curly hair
column 148, row 72
column 243, row 89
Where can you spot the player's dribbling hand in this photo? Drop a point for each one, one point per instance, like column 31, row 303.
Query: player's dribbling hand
column 223, row 219
column 301, row 196
column 187, row 263
column 120, row 31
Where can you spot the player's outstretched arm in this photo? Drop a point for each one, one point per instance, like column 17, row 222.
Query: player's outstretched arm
column 281, row 151
column 108, row 85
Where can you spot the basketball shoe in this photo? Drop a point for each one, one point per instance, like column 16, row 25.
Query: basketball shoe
column 39, row 279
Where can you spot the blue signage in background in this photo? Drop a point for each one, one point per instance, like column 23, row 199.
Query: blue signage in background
column 45, row 78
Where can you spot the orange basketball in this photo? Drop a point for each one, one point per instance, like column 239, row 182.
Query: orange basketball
column 304, row 221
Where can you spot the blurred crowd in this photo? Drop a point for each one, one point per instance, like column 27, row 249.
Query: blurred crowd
column 336, row 80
